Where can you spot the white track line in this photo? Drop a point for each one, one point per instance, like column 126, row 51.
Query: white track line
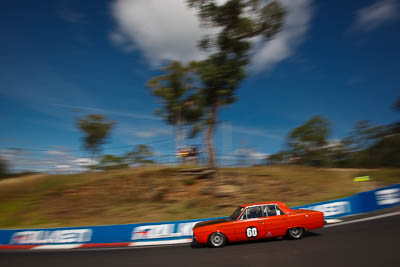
column 333, row 220
column 161, row 242
column 365, row 219
column 63, row 246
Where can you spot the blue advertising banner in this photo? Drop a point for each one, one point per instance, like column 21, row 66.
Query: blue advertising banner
column 127, row 234
column 333, row 209
column 359, row 203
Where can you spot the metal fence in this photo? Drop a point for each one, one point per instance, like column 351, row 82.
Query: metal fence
column 220, row 160
column 58, row 161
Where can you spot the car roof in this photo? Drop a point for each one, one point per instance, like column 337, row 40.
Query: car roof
column 280, row 203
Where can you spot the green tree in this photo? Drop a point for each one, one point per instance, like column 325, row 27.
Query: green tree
column 140, row 155
column 396, row 104
column 3, row 168
column 309, row 141
column 338, row 155
column 384, row 153
column 375, row 146
column 363, row 135
column 180, row 102
column 281, row 157
column 96, row 129
column 396, row 126
column 108, row 162
column 237, row 21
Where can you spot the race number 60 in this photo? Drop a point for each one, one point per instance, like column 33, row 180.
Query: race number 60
column 251, row 232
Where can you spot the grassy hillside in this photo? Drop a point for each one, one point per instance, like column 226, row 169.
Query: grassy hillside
column 162, row 194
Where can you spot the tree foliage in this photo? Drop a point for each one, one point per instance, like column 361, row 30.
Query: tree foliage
column 278, row 158
column 96, row 129
column 108, row 162
column 374, row 146
column 3, row 168
column 178, row 94
column 181, row 105
column 237, row 22
column 363, row 135
column 309, row 140
column 368, row 146
column 140, row 155
column 396, row 104
column 384, row 153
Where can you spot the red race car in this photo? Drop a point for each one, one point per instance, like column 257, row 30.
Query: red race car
column 257, row 221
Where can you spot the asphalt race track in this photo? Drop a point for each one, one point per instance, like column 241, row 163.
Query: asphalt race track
column 366, row 243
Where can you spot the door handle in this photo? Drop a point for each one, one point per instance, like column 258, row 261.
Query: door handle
column 260, row 222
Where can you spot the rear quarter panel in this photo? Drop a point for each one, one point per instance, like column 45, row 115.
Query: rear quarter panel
column 308, row 219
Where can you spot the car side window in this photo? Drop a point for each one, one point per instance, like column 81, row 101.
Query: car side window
column 252, row 212
column 279, row 211
column 272, row 210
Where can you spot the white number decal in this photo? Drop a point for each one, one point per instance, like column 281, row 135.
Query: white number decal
column 251, row 232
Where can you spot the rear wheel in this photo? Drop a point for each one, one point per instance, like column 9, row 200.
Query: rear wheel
column 295, row 232
column 217, row 240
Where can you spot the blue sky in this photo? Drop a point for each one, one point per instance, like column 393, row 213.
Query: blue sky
column 338, row 59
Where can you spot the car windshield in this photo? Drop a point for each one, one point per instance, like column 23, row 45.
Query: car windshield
column 236, row 213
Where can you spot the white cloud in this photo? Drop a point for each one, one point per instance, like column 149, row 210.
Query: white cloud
column 249, row 156
column 298, row 21
column 168, row 30
column 371, row 17
column 83, row 162
column 117, row 38
column 63, row 167
column 120, row 40
column 144, row 134
column 72, row 16
column 163, row 30
column 136, row 115
column 151, row 133
column 257, row 132
column 259, row 155
column 45, row 161
column 55, row 152
column 11, row 154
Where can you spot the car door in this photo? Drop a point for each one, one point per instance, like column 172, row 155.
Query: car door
column 275, row 221
column 249, row 226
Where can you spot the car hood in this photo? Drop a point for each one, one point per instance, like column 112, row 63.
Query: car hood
column 206, row 223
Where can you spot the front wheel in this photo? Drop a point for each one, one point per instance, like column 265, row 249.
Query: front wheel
column 217, row 240
column 295, row 233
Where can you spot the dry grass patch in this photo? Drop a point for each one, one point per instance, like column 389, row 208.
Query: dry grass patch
column 161, row 194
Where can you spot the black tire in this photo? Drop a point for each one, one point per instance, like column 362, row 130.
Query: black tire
column 217, row 240
column 295, row 233
column 196, row 245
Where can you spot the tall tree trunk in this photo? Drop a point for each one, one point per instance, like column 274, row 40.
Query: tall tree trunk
column 210, row 135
